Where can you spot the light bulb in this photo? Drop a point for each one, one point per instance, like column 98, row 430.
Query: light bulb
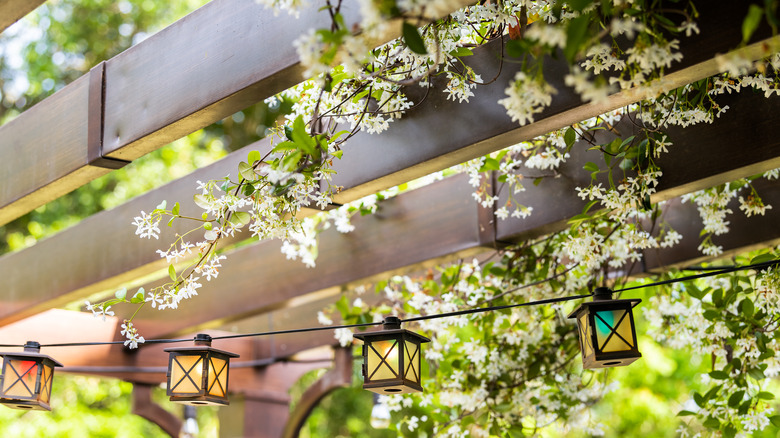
column 380, row 416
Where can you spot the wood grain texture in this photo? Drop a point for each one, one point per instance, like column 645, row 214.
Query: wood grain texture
column 13, row 10
column 43, row 151
column 210, row 64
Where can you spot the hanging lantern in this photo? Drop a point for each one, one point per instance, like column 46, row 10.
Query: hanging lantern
column 27, row 378
column 606, row 329
column 392, row 361
column 198, row 375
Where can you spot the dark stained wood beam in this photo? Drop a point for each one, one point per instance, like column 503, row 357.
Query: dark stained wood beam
column 109, row 238
column 219, row 59
column 12, row 11
column 442, row 133
column 406, row 230
column 63, row 326
column 145, row 407
column 339, row 376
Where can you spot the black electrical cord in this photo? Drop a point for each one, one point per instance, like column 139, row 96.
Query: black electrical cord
column 757, row 266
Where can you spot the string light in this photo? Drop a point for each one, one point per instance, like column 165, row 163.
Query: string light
column 398, row 321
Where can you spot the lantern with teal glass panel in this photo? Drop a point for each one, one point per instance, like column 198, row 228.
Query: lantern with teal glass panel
column 606, row 331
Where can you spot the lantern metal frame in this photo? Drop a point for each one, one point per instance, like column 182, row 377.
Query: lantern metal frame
column 589, row 321
column 203, row 395
column 406, row 361
column 40, row 394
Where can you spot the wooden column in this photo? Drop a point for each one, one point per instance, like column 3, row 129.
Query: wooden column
column 148, row 409
column 261, row 409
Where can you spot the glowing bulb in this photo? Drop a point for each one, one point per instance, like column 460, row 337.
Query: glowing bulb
column 380, row 416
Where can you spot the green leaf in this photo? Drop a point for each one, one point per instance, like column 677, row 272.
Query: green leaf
column 710, row 315
column 490, row 164
column 591, row 167
column 729, row 432
column 763, row 395
column 461, row 51
column 121, row 294
column 751, row 22
column 719, row 375
column 626, row 164
column 775, row 420
column 246, row 171
column 756, row 374
column 253, row 157
column 570, row 136
column 412, row 38
column 746, row 307
column 285, row 146
column 343, row 305
column 162, row 205
column 717, row 298
column 175, row 209
column 302, row 138
column 575, row 36
column 712, row 423
column 172, row 272
column 736, row 398
column 202, row 201
column 139, row 296
column 763, row 258
column 290, row 162
column 240, row 218
column 695, row 291
column 685, row 413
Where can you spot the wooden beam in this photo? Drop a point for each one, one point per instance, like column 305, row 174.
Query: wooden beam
column 39, row 165
column 63, row 326
column 219, row 59
column 406, row 230
column 12, row 11
column 145, row 407
column 442, row 133
column 339, row 376
column 742, row 142
column 123, row 257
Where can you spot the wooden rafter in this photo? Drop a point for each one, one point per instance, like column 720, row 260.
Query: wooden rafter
column 219, row 59
column 12, row 11
column 114, row 254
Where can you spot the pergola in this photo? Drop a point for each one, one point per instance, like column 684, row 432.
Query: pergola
column 231, row 54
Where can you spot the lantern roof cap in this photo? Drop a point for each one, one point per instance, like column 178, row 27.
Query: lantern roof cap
column 200, row 349
column 30, row 355
column 599, row 304
column 369, row 335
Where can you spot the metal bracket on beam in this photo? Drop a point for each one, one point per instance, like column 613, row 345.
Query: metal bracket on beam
column 95, row 121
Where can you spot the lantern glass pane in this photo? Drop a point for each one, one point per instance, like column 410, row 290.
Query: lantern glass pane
column 218, row 372
column 412, row 361
column 613, row 330
column 46, row 378
column 382, row 360
column 186, row 374
column 587, row 348
column 19, row 378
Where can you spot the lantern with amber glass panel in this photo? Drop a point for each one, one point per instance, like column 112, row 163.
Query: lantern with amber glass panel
column 27, row 378
column 606, row 329
column 199, row 375
column 392, row 361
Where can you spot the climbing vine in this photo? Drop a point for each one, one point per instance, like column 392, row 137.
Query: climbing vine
column 510, row 372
